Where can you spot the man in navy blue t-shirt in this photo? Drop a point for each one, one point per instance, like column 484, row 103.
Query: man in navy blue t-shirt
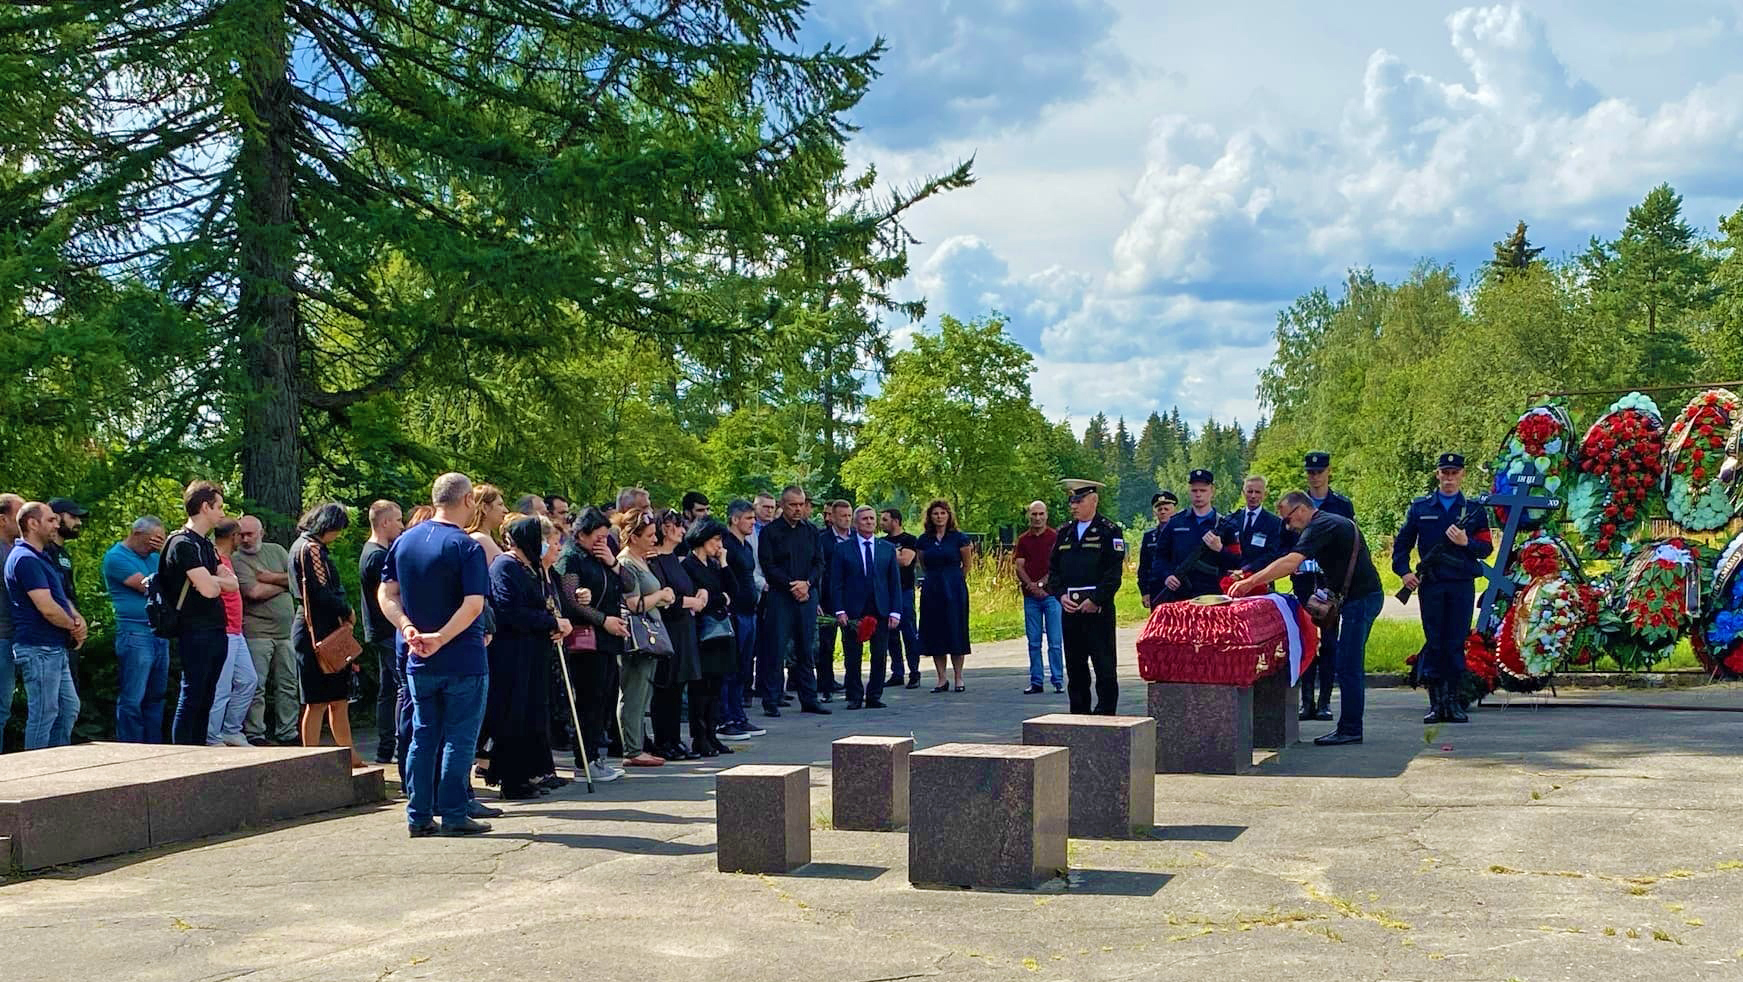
column 432, row 590
column 45, row 627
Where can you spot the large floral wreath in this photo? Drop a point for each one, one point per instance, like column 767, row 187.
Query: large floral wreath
column 1721, row 636
column 1553, row 619
column 1693, row 451
column 1620, row 461
column 1544, row 439
column 1656, row 601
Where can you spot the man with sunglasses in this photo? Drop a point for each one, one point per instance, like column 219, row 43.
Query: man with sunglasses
column 1338, row 547
column 1451, row 536
column 1084, row 571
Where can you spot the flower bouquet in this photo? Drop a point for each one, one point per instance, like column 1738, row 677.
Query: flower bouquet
column 1693, row 453
column 1656, row 601
column 1553, row 619
column 1620, row 463
column 1543, row 438
column 1720, row 638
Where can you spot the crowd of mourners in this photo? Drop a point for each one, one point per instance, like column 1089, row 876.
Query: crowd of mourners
column 623, row 634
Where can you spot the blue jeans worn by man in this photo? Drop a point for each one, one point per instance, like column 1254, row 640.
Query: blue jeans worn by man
column 447, row 711
column 1041, row 617
column 737, row 691
column 1355, row 621
column 233, row 694
column 144, row 662
column 791, row 624
column 50, row 694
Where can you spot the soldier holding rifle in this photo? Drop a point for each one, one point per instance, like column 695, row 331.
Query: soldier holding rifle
column 1451, row 535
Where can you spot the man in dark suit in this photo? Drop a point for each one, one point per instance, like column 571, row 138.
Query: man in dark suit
column 863, row 582
column 1261, row 531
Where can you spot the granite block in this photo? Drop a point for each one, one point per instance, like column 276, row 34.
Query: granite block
column 1202, row 729
column 762, row 815
column 1113, row 770
column 1276, row 711
column 368, row 785
column 287, row 785
column 51, row 829
column 985, row 815
column 868, row 778
column 198, row 803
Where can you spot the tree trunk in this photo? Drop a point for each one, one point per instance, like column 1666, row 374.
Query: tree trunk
column 272, row 480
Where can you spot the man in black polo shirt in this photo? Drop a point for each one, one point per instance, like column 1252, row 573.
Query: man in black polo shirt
column 792, row 562
column 1337, row 545
column 191, row 581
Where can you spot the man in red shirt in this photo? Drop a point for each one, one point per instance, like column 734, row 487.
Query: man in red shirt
column 1033, row 551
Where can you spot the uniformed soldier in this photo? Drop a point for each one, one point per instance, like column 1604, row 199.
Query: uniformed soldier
column 1089, row 557
column 1451, row 536
column 1163, row 502
column 1316, row 466
column 1196, row 546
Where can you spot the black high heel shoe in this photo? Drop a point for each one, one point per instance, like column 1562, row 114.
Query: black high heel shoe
column 720, row 748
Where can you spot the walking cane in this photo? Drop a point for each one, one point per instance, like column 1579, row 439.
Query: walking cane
column 575, row 716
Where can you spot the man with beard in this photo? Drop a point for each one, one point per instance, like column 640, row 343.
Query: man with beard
column 72, row 521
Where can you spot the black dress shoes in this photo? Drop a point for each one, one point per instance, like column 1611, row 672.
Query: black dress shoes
column 1323, row 714
column 1335, row 740
column 912, row 684
column 854, row 705
column 874, row 704
column 893, row 682
column 825, row 697
column 814, row 709
column 772, row 713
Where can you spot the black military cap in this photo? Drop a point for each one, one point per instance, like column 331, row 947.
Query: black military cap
column 1451, row 461
column 1318, row 460
column 1164, row 495
column 1200, row 476
column 66, row 506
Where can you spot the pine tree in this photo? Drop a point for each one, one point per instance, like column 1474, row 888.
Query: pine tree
column 1514, row 253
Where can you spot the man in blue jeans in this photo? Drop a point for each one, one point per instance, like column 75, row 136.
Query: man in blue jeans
column 432, row 591
column 46, row 626
column 9, row 671
column 1041, row 611
column 1337, row 545
column 142, row 656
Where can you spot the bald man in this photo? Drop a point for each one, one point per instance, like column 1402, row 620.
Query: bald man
column 1041, row 610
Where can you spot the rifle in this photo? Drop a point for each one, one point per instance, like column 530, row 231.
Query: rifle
column 1404, row 593
column 1196, row 561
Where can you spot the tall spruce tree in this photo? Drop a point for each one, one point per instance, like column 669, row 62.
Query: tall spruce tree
column 1514, row 253
column 323, row 200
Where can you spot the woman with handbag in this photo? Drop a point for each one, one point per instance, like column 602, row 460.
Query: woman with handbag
column 322, row 631
column 591, row 597
column 685, row 665
column 518, row 707
column 717, row 645
column 648, row 642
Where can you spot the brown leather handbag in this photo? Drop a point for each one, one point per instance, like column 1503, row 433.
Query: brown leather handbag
column 338, row 649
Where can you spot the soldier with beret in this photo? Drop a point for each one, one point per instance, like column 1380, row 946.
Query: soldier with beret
column 1316, row 466
column 1089, row 558
column 1450, row 534
column 1164, row 503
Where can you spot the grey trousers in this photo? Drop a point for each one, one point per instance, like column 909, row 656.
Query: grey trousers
column 637, row 683
column 276, row 658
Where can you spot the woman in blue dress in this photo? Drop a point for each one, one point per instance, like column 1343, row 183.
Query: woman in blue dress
column 944, row 554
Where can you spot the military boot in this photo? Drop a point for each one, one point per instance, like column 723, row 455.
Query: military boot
column 1436, row 713
column 1453, row 709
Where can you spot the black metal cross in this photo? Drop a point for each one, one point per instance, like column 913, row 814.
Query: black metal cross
column 1518, row 497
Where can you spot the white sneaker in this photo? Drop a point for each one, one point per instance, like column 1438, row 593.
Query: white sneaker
column 235, row 740
column 604, row 773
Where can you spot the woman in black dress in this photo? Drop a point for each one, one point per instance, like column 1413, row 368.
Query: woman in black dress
column 716, row 644
column 945, row 554
column 518, row 704
column 591, row 593
column 685, row 665
column 314, row 584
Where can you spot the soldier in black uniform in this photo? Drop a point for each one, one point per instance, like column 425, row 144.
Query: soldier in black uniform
column 1089, row 557
column 1197, row 545
column 1317, row 467
column 1451, row 535
column 1164, row 503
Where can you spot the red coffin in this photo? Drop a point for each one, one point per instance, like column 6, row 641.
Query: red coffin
column 1234, row 643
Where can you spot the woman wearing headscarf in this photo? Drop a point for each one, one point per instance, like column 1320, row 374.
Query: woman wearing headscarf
column 685, row 665
column 518, row 706
column 717, row 647
column 315, row 585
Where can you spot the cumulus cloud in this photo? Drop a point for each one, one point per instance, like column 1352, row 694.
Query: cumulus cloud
column 959, row 68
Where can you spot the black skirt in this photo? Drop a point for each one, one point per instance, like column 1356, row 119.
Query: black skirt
column 318, row 687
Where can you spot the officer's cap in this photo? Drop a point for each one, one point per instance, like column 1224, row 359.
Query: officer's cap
column 1200, row 476
column 1318, row 460
column 1076, row 487
column 1164, row 495
column 1452, row 461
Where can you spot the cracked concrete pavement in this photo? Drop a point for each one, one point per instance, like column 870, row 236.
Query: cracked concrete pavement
column 1533, row 844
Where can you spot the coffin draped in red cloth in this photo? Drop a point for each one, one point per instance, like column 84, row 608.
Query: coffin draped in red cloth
column 1234, row 643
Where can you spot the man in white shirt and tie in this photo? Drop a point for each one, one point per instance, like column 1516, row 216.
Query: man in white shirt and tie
column 863, row 583
column 1261, row 530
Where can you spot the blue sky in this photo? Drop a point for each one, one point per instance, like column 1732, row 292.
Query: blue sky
column 1157, row 179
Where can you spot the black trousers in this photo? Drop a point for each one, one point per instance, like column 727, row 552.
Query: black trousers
column 386, row 700
column 665, row 711
column 202, row 651
column 852, row 650
column 825, row 659
column 704, row 698
column 1446, row 622
column 1089, row 645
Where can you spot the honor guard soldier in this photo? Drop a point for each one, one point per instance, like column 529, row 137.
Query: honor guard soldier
column 1450, row 534
column 1150, row 586
column 1089, row 557
column 1316, row 466
column 1196, row 545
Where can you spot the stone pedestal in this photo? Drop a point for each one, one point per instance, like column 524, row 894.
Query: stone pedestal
column 1113, row 770
column 868, row 779
column 1276, row 711
column 1202, row 729
column 762, row 815
column 985, row 815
